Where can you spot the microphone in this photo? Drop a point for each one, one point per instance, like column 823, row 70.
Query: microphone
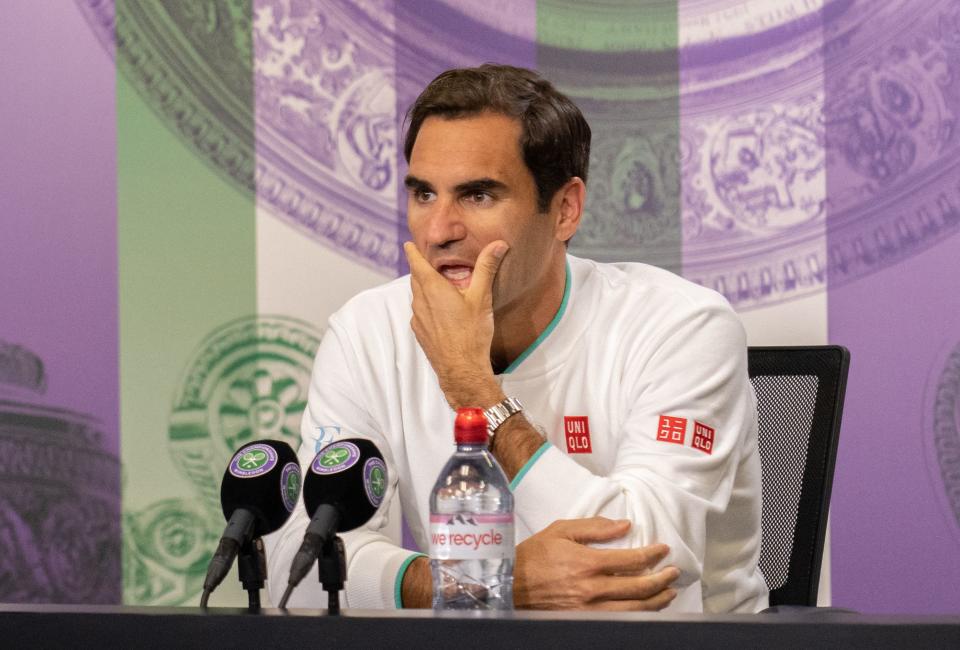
column 342, row 490
column 260, row 487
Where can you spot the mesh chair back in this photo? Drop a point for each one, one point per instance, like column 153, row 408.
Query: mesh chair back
column 800, row 394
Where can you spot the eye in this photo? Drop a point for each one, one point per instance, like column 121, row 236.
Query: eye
column 423, row 196
column 479, row 198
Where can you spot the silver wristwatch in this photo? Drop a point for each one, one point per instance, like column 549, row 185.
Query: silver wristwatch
column 498, row 413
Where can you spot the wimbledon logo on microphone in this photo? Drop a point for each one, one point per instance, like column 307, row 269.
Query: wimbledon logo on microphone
column 290, row 485
column 254, row 460
column 335, row 457
column 375, row 480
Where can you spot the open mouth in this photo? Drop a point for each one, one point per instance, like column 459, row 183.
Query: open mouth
column 458, row 275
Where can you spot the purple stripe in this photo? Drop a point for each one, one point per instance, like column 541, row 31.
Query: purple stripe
column 58, row 297
column 894, row 300
column 740, row 47
column 58, row 306
column 751, row 150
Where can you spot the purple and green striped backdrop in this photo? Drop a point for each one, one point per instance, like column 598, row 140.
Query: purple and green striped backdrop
column 189, row 189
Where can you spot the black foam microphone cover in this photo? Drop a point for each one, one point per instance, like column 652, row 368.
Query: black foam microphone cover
column 343, row 487
column 259, row 491
column 263, row 478
column 349, row 475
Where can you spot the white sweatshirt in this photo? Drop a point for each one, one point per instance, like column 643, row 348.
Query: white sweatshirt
column 654, row 367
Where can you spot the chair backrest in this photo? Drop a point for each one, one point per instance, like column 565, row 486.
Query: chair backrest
column 800, row 394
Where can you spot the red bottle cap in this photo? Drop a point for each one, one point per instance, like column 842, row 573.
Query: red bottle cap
column 470, row 427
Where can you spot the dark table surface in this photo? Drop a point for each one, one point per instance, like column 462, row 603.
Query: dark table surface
column 163, row 627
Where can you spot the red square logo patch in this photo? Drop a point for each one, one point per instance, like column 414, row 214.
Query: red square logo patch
column 702, row 437
column 577, row 430
column 672, row 429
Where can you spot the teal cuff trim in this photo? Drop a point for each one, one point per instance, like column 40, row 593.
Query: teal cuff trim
column 545, row 333
column 398, row 585
column 527, row 465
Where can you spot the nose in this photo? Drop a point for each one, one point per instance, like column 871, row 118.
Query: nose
column 443, row 224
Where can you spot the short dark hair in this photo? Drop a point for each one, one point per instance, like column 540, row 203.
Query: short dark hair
column 555, row 139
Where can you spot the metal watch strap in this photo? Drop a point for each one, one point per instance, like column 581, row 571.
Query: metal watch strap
column 498, row 413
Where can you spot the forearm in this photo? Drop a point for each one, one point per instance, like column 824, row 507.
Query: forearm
column 649, row 504
column 417, row 588
column 515, row 441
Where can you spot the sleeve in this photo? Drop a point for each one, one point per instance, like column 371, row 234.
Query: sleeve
column 690, row 412
column 375, row 565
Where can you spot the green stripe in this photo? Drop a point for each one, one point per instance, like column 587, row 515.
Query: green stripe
column 526, row 466
column 398, row 584
column 187, row 266
column 545, row 333
column 619, row 62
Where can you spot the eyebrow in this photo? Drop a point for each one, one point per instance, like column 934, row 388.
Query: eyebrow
column 480, row 185
column 476, row 185
column 417, row 184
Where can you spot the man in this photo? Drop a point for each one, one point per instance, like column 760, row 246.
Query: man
column 630, row 436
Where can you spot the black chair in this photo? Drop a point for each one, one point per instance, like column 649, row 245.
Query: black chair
column 800, row 394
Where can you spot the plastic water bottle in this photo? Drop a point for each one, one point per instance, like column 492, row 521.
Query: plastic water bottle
column 472, row 542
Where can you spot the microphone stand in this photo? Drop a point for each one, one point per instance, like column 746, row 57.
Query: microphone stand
column 252, row 567
column 332, row 567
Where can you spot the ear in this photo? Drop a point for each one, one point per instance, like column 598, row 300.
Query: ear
column 568, row 207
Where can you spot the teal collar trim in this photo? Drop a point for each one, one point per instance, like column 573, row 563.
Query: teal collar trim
column 527, row 465
column 553, row 324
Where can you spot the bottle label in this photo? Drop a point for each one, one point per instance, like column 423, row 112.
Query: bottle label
column 472, row 537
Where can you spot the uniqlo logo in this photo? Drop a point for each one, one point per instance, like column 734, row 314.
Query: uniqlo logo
column 577, row 430
column 702, row 437
column 672, row 429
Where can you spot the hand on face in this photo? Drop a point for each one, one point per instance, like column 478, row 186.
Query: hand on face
column 454, row 323
column 556, row 570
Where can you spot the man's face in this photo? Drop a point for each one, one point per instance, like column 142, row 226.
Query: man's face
column 468, row 186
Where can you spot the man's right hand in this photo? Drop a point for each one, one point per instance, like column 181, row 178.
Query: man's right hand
column 556, row 570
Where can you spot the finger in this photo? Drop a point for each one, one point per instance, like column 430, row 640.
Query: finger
column 591, row 529
column 652, row 604
column 420, row 268
column 412, row 255
column 628, row 559
column 416, row 303
column 633, row 587
column 485, row 270
column 416, row 288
